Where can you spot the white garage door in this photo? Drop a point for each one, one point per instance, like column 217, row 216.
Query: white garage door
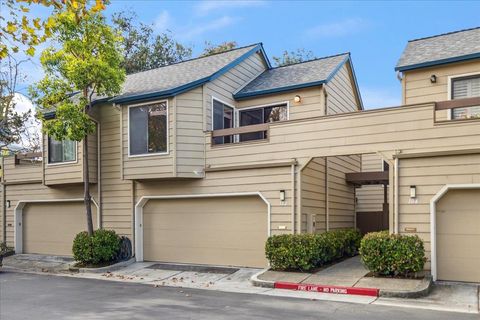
column 49, row 228
column 458, row 236
column 220, row 231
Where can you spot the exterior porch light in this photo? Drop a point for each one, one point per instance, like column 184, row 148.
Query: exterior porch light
column 282, row 195
column 297, row 99
column 413, row 192
column 433, row 78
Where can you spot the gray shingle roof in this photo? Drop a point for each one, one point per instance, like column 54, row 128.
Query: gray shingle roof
column 448, row 47
column 293, row 76
column 172, row 77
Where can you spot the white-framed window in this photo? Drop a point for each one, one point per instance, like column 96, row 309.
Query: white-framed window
column 465, row 87
column 223, row 117
column 61, row 151
column 261, row 114
column 148, row 129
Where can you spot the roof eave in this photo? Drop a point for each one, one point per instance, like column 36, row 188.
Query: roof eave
column 438, row 62
column 276, row 90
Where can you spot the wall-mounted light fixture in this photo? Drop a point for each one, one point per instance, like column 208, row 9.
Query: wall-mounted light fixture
column 282, row 195
column 297, row 99
column 8, row 203
column 433, row 78
column 413, row 192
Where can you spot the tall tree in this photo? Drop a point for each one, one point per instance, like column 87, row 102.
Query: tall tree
column 86, row 58
column 143, row 48
column 291, row 57
column 20, row 31
column 12, row 123
column 218, row 48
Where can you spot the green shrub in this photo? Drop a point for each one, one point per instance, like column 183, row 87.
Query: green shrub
column 103, row 246
column 304, row 252
column 392, row 255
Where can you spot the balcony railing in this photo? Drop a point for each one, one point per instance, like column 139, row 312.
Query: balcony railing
column 241, row 134
column 471, row 106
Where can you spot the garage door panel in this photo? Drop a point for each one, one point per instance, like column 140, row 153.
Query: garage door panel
column 458, row 236
column 49, row 228
column 222, row 231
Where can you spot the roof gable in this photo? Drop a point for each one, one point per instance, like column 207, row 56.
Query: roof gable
column 445, row 48
column 179, row 77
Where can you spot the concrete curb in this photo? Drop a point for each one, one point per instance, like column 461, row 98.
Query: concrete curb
column 110, row 268
column 261, row 283
column 422, row 291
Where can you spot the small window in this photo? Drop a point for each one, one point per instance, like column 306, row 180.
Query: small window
column 61, row 151
column 261, row 115
column 148, row 132
column 222, row 119
column 466, row 87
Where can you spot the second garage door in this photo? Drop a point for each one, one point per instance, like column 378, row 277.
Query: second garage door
column 49, row 228
column 220, row 231
column 458, row 236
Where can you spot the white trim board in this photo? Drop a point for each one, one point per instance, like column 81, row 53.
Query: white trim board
column 143, row 201
column 18, row 218
column 433, row 220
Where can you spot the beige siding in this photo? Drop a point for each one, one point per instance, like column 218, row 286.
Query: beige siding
column 116, row 193
column 25, row 171
column 149, row 166
column 267, row 181
column 311, row 105
column 190, row 145
column 417, row 87
column 223, row 87
column 429, row 175
column 313, row 194
column 341, row 93
column 93, row 157
column 341, row 195
column 370, row 197
column 63, row 173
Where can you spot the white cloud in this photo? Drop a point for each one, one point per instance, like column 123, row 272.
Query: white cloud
column 337, row 29
column 374, row 98
column 208, row 6
column 163, row 21
column 190, row 32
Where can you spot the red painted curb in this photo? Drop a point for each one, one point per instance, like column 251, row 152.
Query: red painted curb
column 372, row 292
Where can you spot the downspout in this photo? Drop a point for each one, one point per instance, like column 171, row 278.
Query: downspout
column 99, row 176
column 396, row 204
column 298, row 224
column 293, row 167
column 327, row 205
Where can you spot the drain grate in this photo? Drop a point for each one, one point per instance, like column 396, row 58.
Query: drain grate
column 193, row 268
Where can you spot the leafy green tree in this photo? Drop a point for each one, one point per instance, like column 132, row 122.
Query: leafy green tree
column 218, row 48
column 86, row 59
column 291, row 57
column 145, row 50
column 22, row 31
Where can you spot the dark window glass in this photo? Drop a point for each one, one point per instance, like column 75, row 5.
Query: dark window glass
column 148, row 129
column 222, row 119
column 261, row 115
column 61, row 151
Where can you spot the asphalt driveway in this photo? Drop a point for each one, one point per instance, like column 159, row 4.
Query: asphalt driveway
column 32, row 296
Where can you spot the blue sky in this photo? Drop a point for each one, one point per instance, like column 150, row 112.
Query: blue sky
column 374, row 32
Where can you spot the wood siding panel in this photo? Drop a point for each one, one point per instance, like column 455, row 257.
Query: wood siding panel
column 23, row 172
column 340, row 93
column 313, row 200
column 429, row 175
column 370, row 197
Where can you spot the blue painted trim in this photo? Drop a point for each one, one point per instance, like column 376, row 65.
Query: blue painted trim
column 438, row 62
column 337, row 68
column 280, row 89
column 177, row 90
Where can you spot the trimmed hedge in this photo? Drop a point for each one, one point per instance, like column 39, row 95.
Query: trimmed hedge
column 392, row 255
column 304, row 252
column 102, row 246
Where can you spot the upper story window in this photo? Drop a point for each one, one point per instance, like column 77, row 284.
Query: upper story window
column 148, row 129
column 223, row 116
column 61, row 151
column 466, row 87
column 251, row 116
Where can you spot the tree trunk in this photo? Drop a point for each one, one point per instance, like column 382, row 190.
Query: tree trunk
column 86, row 187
